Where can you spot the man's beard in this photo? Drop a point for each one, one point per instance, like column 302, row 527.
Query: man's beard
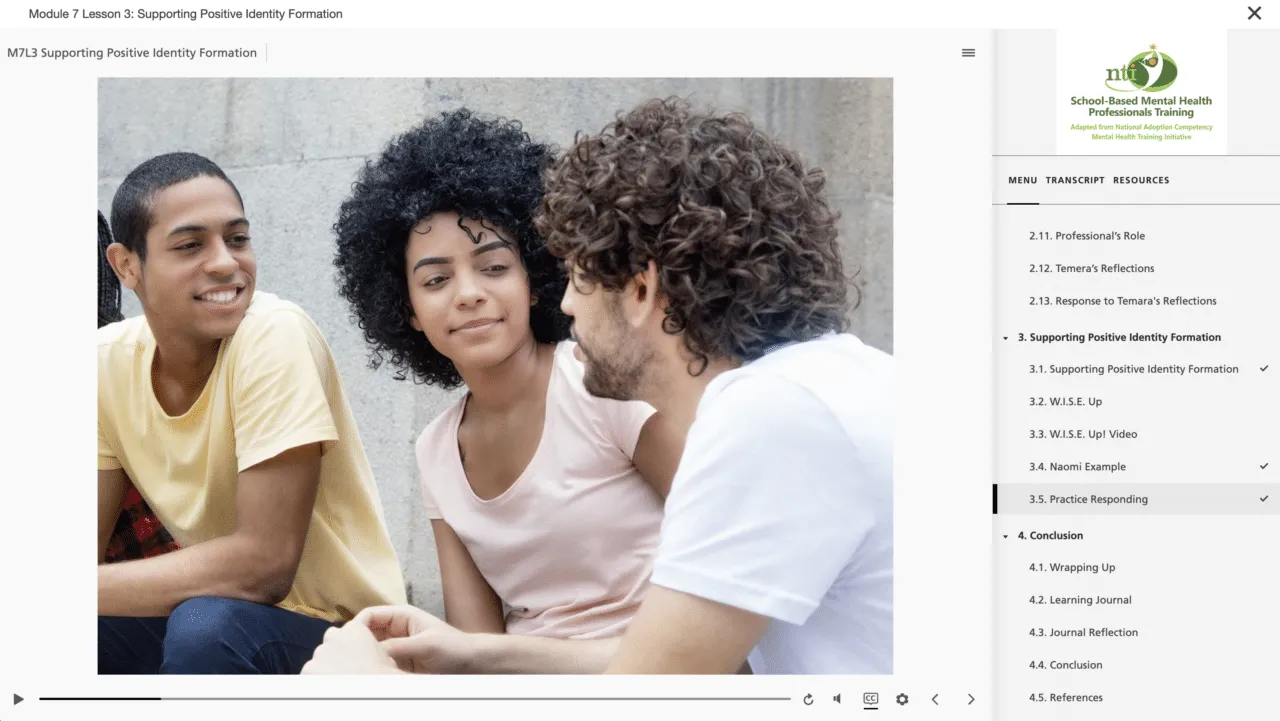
column 618, row 376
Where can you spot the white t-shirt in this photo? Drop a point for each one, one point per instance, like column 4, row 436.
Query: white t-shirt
column 783, row 505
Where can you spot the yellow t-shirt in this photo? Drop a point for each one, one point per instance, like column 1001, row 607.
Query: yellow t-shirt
column 274, row 387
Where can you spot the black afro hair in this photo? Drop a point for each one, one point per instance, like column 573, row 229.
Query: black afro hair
column 486, row 170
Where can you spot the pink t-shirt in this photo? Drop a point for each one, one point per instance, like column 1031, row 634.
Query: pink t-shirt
column 570, row 545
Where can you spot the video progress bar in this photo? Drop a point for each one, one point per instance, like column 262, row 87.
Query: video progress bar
column 417, row 698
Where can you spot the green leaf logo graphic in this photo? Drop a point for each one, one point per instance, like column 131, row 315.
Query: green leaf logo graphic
column 1149, row 71
column 1153, row 71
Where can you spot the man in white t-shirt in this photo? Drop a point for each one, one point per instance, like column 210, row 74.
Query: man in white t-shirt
column 707, row 280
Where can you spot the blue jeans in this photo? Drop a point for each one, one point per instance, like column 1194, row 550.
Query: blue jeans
column 210, row 635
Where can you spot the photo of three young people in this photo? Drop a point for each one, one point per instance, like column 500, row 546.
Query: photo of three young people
column 670, row 454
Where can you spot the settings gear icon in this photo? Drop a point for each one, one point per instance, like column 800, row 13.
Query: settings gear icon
column 902, row 699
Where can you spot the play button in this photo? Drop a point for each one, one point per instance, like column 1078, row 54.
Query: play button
column 16, row 699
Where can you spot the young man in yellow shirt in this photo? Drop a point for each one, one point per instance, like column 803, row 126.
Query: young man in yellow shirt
column 225, row 409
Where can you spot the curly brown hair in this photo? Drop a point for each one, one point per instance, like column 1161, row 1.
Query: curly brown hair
column 742, row 235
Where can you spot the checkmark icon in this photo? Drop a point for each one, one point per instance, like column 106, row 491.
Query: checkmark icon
column 1264, row 465
column 1265, row 367
column 1264, row 498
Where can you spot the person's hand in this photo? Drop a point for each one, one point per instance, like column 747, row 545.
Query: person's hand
column 417, row 641
column 352, row 649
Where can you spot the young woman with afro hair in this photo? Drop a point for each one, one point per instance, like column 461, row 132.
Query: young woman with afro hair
column 545, row 501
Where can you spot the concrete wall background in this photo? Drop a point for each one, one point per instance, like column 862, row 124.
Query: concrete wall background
column 293, row 147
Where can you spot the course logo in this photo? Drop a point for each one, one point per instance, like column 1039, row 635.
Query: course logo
column 1150, row 71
